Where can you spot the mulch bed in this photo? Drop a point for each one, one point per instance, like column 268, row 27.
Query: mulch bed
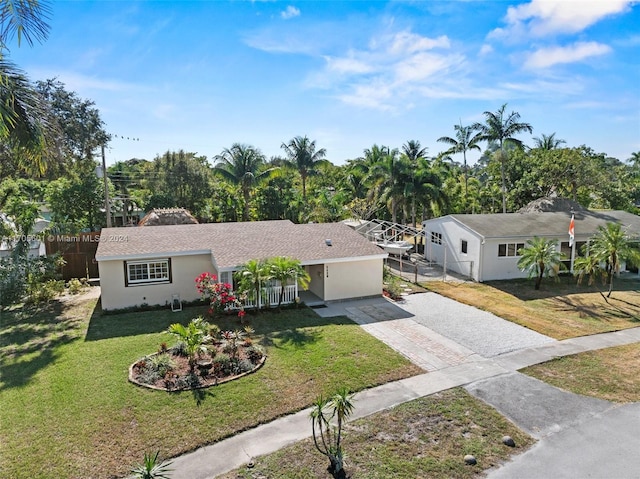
column 207, row 371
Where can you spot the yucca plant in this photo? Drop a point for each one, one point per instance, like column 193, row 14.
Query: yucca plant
column 151, row 468
column 327, row 437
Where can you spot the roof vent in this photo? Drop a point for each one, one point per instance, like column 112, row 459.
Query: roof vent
column 328, row 242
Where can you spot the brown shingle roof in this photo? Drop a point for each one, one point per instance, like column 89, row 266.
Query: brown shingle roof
column 232, row 244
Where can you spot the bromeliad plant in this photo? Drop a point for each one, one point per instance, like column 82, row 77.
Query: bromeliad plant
column 327, row 436
column 220, row 295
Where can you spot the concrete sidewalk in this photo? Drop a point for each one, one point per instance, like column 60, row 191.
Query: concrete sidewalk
column 216, row 459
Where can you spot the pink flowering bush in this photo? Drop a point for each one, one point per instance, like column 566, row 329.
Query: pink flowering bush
column 221, row 296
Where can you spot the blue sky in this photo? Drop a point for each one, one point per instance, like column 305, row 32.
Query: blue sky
column 203, row 75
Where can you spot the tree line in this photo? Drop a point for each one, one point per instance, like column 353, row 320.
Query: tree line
column 50, row 141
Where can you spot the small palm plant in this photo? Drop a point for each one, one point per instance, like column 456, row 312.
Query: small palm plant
column 326, row 436
column 285, row 269
column 540, row 258
column 151, row 468
column 195, row 337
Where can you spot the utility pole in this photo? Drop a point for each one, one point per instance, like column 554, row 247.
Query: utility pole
column 107, row 204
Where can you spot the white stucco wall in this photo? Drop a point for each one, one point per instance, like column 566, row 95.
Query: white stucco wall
column 316, row 284
column 466, row 264
column 115, row 295
column 353, row 279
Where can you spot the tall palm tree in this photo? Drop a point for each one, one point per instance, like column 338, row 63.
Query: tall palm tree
column 416, row 156
column 24, row 124
column 539, row 258
column 465, row 140
column 243, row 165
column 502, row 128
column 612, row 245
column 388, row 177
column 548, row 142
column 303, row 156
column 24, row 19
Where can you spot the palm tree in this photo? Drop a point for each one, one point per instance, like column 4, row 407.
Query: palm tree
column 502, row 128
column 284, row 269
column 24, row 118
column 588, row 266
column 195, row 336
column 303, row 156
column 387, row 177
column 464, row 141
column 22, row 19
column 547, row 142
column 612, row 245
column 251, row 276
column 243, row 165
column 540, row 258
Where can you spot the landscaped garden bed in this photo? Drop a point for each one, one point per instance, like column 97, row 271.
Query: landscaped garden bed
column 218, row 357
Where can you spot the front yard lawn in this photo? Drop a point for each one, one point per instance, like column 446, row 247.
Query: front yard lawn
column 68, row 410
column 559, row 309
column 424, row 438
column 610, row 373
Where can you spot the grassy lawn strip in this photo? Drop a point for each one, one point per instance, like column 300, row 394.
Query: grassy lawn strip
column 610, row 374
column 68, row 410
column 559, row 309
column 427, row 437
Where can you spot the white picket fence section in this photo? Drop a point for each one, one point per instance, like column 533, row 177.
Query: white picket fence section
column 270, row 296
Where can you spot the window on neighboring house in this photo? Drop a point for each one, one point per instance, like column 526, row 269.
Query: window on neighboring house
column 147, row 272
column 436, row 238
column 509, row 249
column 463, row 246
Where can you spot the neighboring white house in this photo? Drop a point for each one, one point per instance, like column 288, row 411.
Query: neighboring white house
column 484, row 247
column 36, row 245
column 152, row 264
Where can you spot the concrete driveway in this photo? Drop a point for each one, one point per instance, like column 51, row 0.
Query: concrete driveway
column 435, row 332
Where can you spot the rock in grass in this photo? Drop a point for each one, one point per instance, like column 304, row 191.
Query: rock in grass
column 508, row 441
column 470, row 460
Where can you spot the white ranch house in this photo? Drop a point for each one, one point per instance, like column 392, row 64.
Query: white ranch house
column 484, row 247
column 155, row 264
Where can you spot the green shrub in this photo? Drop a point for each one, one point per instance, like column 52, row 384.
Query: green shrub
column 244, row 365
column 222, row 364
column 75, row 286
column 162, row 363
column 254, row 354
column 45, row 292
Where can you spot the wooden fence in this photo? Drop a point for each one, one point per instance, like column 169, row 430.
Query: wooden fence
column 79, row 252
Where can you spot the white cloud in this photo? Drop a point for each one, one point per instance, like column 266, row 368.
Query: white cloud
column 547, row 57
column 540, row 18
column 348, row 65
column 290, row 12
column 486, row 49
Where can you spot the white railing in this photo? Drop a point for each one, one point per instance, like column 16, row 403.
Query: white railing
column 271, row 295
